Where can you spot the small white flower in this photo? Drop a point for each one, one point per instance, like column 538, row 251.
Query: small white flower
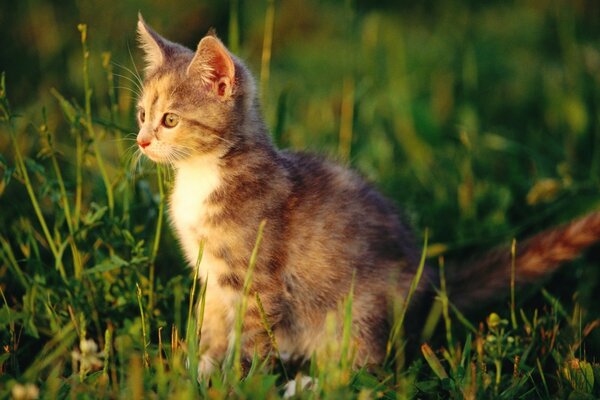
column 88, row 356
column 25, row 392
column 304, row 383
column 88, row 346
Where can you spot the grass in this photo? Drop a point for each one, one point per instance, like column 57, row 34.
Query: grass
column 481, row 121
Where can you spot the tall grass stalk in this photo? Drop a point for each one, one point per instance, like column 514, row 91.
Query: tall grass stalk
column 88, row 120
column 265, row 61
column 108, row 335
column 145, row 341
column 44, row 131
column 272, row 338
column 12, row 347
column 54, row 350
column 193, row 342
column 234, row 26
column 445, row 308
column 113, row 108
column 22, row 169
column 513, row 272
column 543, row 377
column 346, row 119
column 194, row 284
column 157, row 235
column 399, row 321
column 195, row 321
column 8, row 256
column 79, row 154
column 74, row 119
column 346, row 348
column 462, row 318
column 241, row 311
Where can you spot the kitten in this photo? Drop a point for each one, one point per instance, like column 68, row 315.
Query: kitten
column 325, row 226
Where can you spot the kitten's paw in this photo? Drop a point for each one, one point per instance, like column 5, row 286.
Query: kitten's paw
column 206, row 367
column 300, row 384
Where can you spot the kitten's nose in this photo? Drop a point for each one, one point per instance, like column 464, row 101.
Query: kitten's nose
column 143, row 144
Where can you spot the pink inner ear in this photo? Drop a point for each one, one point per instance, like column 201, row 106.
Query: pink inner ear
column 222, row 65
column 221, row 87
column 219, row 62
column 214, row 65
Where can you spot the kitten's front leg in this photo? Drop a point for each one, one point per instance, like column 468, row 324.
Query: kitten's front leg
column 255, row 338
column 214, row 333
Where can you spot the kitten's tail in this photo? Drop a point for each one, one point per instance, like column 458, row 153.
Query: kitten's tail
column 539, row 255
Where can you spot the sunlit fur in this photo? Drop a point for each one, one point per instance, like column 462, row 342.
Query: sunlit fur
column 327, row 230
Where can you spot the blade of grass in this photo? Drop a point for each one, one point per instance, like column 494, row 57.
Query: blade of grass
column 435, row 313
column 433, row 361
column 113, row 111
column 555, row 303
column 265, row 60
column 445, row 307
column 346, row 119
column 462, row 319
column 239, row 318
column 52, row 351
column 397, row 327
column 88, row 120
column 194, row 284
column 192, row 336
column 72, row 115
column 193, row 342
column 107, row 346
column 513, row 314
column 542, row 377
column 346, row 351
column 8, row 119
column 267, row 326
column 9, row 258
column 11, row 327
column 234, row 26
column 77, row 266
column 144, row 335
column 157, row 235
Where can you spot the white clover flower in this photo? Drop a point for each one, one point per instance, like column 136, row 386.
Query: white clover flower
column 25, row 392
column 89, row 357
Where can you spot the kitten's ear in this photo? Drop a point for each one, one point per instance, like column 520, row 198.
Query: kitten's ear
column 213, row 65
column 152, row 44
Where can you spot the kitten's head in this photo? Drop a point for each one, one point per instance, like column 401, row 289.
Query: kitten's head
column 191, row 102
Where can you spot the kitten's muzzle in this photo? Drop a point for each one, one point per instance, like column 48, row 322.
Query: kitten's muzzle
column 143, row 144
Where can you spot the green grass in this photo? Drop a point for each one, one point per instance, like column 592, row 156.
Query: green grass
column 480, row 121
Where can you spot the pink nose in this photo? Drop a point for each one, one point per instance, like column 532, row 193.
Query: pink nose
column 143, row 144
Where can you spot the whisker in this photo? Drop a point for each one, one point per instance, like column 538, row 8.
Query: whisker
column 130, row 153
column 134, row 74
column 137, row 85
column 137, row 73
column 122, row 139
column 136, row 162
column 138, row 94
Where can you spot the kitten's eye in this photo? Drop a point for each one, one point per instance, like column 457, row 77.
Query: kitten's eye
column 170, row 120
column 142, row 115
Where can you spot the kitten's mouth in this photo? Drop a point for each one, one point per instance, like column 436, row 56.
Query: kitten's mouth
column 152, row 156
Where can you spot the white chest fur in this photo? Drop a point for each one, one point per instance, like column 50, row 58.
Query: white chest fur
column 195, row 180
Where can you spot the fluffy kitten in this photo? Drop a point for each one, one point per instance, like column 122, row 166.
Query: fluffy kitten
column 199, row 112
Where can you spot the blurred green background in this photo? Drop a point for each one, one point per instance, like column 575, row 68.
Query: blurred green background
column 480, row 119
column 458, row 108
